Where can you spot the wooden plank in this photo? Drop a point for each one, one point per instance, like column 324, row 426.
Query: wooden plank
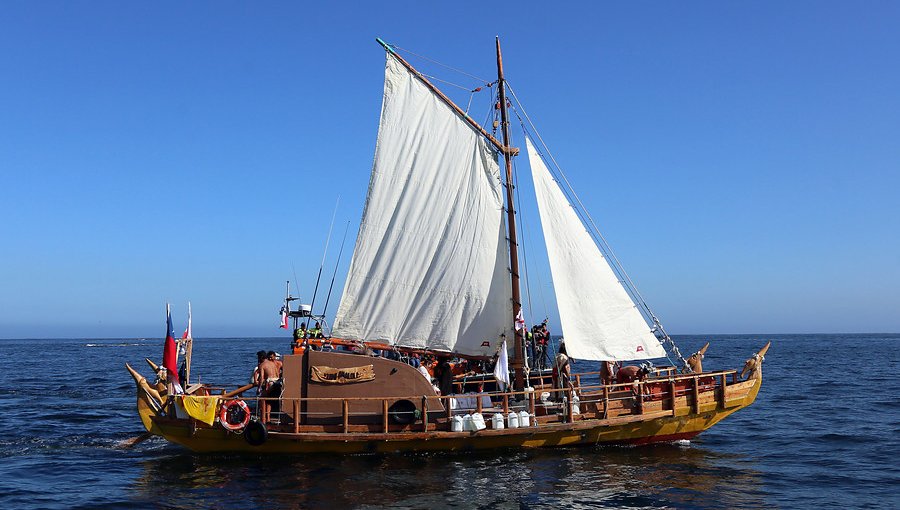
column 384, row 415
column 425, row 414
column 345, row 410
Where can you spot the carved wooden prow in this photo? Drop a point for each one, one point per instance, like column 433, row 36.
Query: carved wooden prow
column 141, row 382
column 694, row 364
column 160, row 386
column 753, row 366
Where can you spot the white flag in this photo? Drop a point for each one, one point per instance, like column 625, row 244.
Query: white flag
column 501, row 369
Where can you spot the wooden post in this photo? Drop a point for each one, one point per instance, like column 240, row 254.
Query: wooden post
column 674, row 395
column 531, row 405
column 448, row 407
column 640, row 396
column 578, row 380
column 478, row 403
column 384, row 415
column 505, row 405
column 605, row 402
column 296, row 409
column 570, row 416
column 696, row 395
column 345, row 411
column 424, row 414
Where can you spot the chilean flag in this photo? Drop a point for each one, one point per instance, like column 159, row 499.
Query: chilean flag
column 170, row 350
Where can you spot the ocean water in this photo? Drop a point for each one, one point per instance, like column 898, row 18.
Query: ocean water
column 823, row 433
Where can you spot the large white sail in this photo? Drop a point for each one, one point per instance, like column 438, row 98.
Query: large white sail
column 599, row 319
column 430, row 266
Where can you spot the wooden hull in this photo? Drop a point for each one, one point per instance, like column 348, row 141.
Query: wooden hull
column 657, row 422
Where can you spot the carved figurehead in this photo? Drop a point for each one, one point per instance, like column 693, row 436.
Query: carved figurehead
column 753, row 366
column 694, row 364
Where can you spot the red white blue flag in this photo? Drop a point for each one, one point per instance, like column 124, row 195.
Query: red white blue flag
column 170, row 350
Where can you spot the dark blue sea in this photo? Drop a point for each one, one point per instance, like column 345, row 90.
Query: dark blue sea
column 823, row 433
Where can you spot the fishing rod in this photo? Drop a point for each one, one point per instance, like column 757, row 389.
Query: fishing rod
column 336, row 265
column 324, row 254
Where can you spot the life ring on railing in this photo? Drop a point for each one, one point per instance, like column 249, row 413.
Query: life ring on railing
column 234, row 415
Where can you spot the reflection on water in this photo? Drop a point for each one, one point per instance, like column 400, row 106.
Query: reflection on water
column 604, row 477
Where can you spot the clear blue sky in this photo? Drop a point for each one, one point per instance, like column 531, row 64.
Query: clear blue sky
column 743, row 159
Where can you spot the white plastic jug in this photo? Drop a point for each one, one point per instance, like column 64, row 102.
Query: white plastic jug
column 524, row 419
column 497, row 421
column 467, row 423
column 456, row 424
column 513, row 419
column 478, row 422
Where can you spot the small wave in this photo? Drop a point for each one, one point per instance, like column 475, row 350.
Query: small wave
column 117, row 345
column 682, row 442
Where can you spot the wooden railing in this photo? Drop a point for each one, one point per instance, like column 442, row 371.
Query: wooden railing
column 437, row 410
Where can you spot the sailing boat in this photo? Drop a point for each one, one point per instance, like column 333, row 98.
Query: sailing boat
column 435, row 275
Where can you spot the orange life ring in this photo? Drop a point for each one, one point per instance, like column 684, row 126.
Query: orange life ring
column 234, row 415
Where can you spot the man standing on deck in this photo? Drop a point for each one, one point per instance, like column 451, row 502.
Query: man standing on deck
column 268, row 384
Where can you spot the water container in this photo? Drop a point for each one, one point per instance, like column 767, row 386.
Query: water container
column 513, row 419
column 524, row 419
column 467, row 423
column 478, row 422
column 456, row 424
column 497, row 421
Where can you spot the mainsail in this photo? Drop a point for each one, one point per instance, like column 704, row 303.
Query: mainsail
column 430, row 266
column 599, row 320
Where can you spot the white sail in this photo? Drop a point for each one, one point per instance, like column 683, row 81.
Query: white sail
column 599, row 319
column 430, row 266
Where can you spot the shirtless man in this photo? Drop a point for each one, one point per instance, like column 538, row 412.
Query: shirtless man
column 254, row 377
column 631, row 373
column 268, row 386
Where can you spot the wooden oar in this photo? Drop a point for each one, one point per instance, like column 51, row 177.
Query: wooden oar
column 238, row 391
column 131, row 442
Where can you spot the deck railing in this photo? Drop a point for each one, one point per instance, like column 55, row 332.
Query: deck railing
column 543, row 404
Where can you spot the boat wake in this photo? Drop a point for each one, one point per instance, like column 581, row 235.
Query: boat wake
column 116, row 345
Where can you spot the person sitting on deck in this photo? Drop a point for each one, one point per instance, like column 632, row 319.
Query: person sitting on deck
column 299, row 335
column 316, row 332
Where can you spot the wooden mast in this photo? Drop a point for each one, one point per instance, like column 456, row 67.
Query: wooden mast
column 518, row 363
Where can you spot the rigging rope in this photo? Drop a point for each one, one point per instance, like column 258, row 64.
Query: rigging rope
column 439, row 63
column 626, row 280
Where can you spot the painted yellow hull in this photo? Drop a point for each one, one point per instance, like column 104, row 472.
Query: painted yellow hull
column 653, row 426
